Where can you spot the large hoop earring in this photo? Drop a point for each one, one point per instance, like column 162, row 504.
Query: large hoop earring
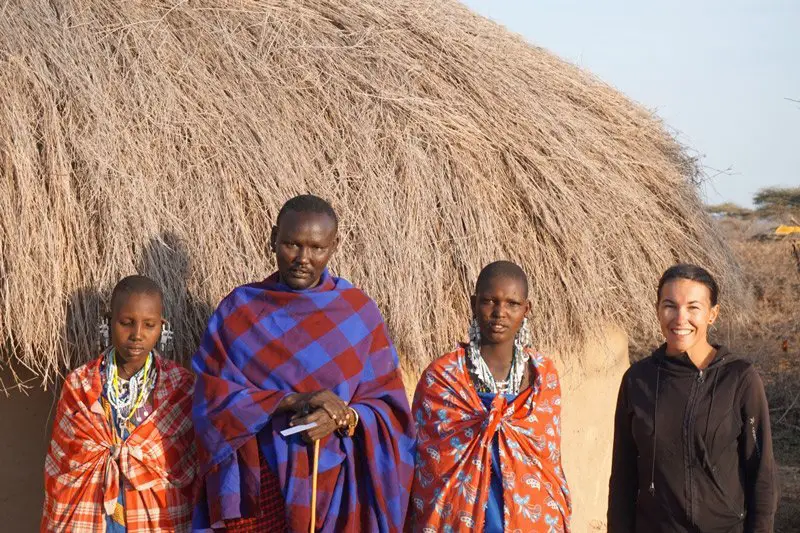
column 474, row 333
column 165, row 342
column 103, row 334
column 523, row 338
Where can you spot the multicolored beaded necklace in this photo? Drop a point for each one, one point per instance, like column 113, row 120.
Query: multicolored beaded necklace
column 127, row 397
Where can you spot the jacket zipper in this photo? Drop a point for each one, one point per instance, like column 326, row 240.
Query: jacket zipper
column 688, row 441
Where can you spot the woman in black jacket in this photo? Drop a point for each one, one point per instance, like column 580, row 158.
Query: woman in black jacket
column 692, row 442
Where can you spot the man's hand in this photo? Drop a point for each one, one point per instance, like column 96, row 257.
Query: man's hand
column 328, row 401
column 304, row 403
column 325, row 425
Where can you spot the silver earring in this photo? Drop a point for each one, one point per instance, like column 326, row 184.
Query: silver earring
column 165, row 341
column 474, row 332
column 103, row 337
column 523, row 338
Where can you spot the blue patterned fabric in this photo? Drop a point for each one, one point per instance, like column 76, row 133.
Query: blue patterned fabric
column 494, row 505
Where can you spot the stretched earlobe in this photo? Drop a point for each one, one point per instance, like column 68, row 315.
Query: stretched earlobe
column 273, row 236
column 103, row 333
column 165, row 341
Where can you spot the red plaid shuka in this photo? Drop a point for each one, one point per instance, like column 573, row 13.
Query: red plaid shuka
column 157, row 461
column 271, row 508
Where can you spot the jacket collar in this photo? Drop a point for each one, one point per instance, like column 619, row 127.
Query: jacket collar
column 682, row 364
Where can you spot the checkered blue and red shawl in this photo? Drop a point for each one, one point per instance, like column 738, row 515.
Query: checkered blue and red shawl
column 266, row 341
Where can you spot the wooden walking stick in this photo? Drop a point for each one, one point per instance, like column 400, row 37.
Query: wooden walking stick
column 315, row 467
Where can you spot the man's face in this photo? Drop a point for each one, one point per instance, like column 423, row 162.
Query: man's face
column 303, row 244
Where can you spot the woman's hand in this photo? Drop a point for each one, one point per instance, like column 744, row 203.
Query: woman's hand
column 325, row 425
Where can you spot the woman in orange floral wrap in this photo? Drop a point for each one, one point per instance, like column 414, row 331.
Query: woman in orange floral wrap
column 488, row 421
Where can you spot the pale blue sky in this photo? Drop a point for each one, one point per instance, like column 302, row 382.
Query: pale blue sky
column 717, row 71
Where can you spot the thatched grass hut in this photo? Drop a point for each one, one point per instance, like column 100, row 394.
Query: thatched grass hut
column 162, row 137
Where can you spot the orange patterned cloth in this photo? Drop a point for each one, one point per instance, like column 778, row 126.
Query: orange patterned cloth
column 455, row 432
column 156, row 463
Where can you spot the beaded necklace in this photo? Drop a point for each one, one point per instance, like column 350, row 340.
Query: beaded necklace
column 479, row 370
column 127, row 397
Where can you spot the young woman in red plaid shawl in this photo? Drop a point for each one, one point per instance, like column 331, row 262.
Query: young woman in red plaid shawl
column 122, row 454
column 301, row 347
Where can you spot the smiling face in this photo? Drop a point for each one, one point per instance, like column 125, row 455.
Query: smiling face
column 136, row 325
column 303, row 244
column 500, row 306
column 684, row 314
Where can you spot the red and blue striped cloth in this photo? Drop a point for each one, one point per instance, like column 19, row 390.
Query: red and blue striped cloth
column 266, row 341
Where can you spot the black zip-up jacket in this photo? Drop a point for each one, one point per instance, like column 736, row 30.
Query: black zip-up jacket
column 692, row 449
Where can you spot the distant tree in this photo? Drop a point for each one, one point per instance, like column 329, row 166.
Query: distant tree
column 729, row 209
column 778, row 201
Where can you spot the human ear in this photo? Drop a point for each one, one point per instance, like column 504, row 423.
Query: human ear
column 714, row 314
column 273, row 237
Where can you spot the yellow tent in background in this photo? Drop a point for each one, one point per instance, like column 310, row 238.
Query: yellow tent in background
column 787, row 230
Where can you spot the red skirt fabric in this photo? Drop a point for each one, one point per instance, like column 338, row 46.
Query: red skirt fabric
column 271, row 508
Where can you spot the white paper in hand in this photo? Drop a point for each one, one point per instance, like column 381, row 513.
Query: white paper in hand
column 297, row 429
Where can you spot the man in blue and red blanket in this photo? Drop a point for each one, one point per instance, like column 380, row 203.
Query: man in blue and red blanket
column 301, row 347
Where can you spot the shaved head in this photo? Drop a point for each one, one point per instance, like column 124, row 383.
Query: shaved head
column 134, row 285
column 308, row 203
column 501, row 270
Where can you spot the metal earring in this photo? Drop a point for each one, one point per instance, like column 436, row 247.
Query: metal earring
column 523, row 338
column 165, row 342
column 474, row 332
column 103, row 336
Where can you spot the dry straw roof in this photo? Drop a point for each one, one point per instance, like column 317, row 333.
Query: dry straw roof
column 162, row 137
